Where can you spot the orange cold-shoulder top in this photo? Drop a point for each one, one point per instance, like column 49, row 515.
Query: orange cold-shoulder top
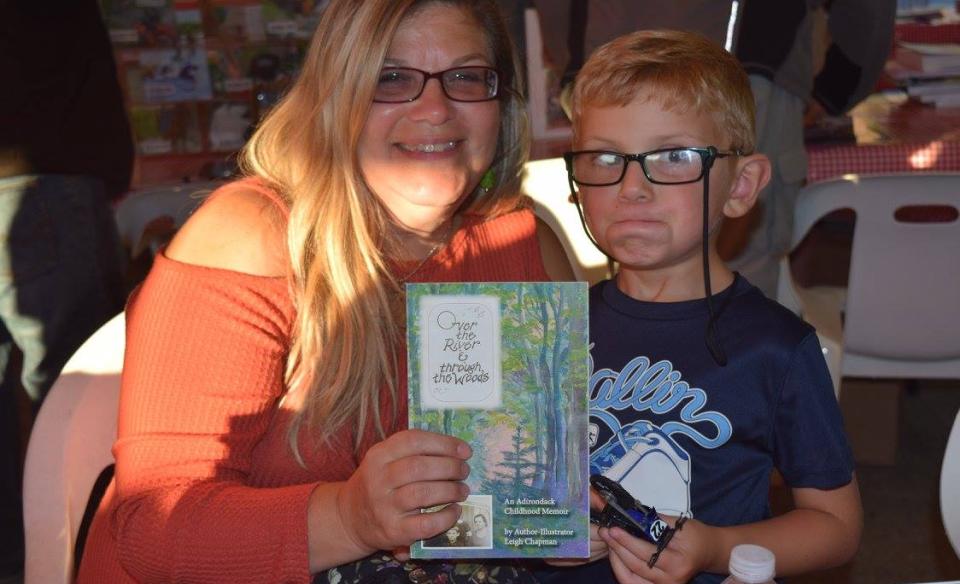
column 207, row 488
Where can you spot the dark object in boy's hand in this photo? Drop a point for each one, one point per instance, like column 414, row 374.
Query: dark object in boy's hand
column 637, row 519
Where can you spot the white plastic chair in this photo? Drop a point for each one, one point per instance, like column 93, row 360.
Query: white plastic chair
column 138, row 209
column 69, row 446
column 950, row 487
column 899, row 316
column 545, row 181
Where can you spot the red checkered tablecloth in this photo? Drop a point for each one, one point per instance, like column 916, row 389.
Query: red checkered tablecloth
column 928, row 33
column 831, row 161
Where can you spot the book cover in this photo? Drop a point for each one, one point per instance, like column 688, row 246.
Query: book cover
column 504, row 367
column 166, row 129
column 238, row 20
column 292, row 18
column 171, row 75
column 231, row 123
column 140, row 22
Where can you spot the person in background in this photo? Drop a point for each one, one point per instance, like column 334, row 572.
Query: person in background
column 778, row 47
column 790, row 73
column 700, row 385
column 262, row 431
column 65, row 153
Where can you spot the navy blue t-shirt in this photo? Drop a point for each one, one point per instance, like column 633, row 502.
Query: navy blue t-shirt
column 687, row 436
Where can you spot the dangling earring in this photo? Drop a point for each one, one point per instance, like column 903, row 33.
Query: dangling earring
column 487, row 182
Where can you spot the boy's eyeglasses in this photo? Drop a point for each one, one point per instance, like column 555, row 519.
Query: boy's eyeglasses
column 403, row 84
column 666, row 166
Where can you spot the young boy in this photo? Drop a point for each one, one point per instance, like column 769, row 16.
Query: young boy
column 701, row 386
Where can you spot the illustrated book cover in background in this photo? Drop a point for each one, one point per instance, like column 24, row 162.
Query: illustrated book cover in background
column 504, row 367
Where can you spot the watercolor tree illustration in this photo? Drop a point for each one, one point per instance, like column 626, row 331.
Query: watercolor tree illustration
column 529, row 444
column 523, row 447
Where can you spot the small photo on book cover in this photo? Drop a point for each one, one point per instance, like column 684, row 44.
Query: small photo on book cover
column 504, row 367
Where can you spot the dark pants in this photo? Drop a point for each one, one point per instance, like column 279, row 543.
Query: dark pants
column 61, row 277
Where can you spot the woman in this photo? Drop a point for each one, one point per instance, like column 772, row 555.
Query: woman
column 264, row 387
column 480, row 535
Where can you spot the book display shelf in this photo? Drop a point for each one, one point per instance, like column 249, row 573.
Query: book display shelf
column 198, row 74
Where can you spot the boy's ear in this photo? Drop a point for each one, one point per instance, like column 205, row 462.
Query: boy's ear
column 750, row 176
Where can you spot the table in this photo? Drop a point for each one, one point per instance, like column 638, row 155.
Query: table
column 892, row 134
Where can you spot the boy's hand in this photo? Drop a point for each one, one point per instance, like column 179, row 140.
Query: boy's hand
column 688, row 553
column 598, row 550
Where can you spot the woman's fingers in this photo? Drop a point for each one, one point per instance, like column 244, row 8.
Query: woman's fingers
column 422, row 494
column 418, row 443
column 409, row 471
column 413, row 469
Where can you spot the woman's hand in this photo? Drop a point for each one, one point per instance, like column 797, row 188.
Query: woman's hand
column 689, row 552
column 379, row 506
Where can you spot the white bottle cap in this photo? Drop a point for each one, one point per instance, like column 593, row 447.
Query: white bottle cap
column 752, row 564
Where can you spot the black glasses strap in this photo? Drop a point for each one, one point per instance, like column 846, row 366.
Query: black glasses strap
column 712, row 333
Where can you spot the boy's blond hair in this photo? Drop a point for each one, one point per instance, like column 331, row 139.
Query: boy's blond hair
column 683, row 70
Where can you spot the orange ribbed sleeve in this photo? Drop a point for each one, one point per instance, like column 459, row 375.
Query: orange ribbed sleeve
column 202, row 378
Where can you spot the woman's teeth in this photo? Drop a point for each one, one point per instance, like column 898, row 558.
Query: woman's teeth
column 430, row 148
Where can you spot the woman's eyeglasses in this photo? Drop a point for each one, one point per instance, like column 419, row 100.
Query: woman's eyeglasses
column 666, row 166
column 403, row 84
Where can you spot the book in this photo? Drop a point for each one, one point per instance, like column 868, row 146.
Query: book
column 152, row 23
column 238, row 20
column 140, row 22
column 949, row 86
column 504, row 367
column 231, row 123
column 292, row 18
column 943, row 100
column 169, row 75
column 166, row 129
column 930, row 58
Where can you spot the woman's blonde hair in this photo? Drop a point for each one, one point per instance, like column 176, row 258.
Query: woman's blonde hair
column 683, row 70
column 346, row 334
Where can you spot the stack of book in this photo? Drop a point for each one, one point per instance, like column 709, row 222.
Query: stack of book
column 929, row 72
column 926, row 59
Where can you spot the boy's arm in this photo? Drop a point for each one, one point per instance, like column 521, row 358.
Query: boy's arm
column 822, row 531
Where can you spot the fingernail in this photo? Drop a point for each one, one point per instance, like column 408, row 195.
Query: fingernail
column 464, row 450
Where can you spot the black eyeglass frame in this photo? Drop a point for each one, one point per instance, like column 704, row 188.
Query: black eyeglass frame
column 707, row 154
column 438, row 75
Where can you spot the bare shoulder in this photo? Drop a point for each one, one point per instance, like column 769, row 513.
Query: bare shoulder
column 554, row 256
column 238, row 229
